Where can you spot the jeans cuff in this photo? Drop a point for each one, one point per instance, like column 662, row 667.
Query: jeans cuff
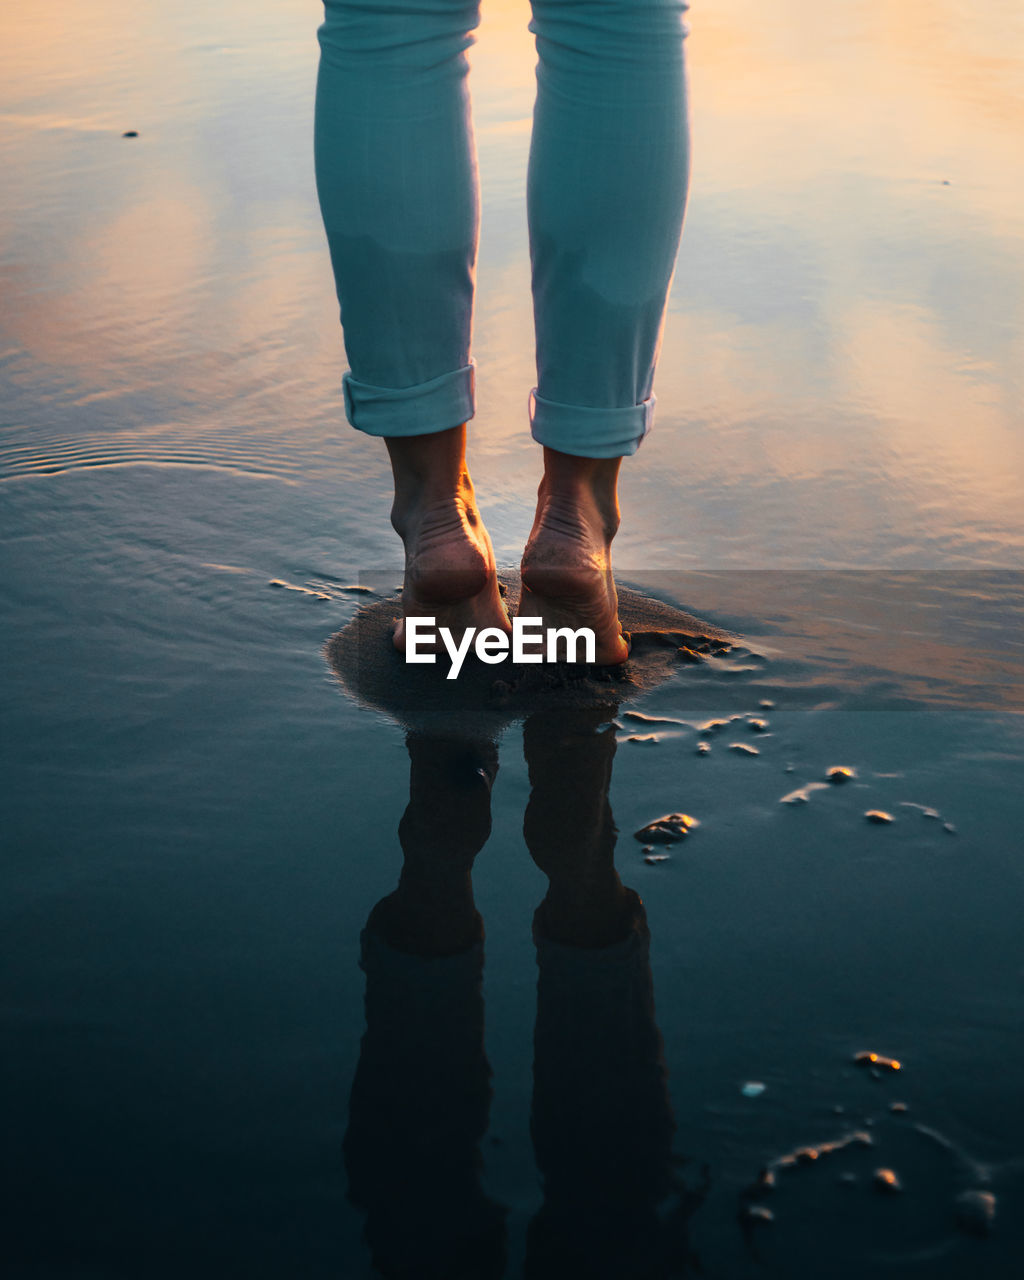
column 588, row 432
column 447, row 401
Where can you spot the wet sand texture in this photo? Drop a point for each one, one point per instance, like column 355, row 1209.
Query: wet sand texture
column 487, row 698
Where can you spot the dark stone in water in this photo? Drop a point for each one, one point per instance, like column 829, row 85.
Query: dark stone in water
column 976, row 1212
column 743, row 749
column 668, row 830
column 839, row 773
column 886, row 1180
column 757, row 725
column 703, row 748
column 898, row 1108
column 878, row 816
column 130, row 133
column 756, row 1214
column 688, row 655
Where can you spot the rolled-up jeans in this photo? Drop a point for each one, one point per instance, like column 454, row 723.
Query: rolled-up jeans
column 606, row 192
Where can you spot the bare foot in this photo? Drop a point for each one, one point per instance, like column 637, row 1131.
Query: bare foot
column 567, row 566
column 449, row 561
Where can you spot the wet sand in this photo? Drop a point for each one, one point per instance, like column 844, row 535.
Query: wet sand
column 484, row 698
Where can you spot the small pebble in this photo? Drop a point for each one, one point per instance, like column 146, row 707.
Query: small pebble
column 878, row 815
column 766, row 1180
column 757, row 726
column 703, row 748
column 752, row 1089
column 876, row 1060
column 130, row 133
column 712, row 726
column 766, row 704
column 839, row 773
column 976, row 1212
column 886, row 1180
column 743, row 749
column 898, row 1108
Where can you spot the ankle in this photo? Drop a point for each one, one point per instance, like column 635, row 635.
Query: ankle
column 438, row 504
column 586, row 486
column 429, row 470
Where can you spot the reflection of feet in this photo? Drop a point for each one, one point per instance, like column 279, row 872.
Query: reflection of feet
column 449, row 562
column 567, row 567
column 432, row 926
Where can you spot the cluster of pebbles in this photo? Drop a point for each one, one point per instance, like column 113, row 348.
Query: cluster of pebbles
column 973, row 1208
column 673, row 828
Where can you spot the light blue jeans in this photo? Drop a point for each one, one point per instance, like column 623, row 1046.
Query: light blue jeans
column 606, row 192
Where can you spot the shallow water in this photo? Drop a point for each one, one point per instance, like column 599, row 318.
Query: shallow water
column 199, row 821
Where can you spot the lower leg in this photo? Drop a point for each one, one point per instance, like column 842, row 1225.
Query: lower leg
column 449, row 561
column 396, row 176
column 606, row 194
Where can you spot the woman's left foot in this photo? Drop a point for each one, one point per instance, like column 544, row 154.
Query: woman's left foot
column 567, row 567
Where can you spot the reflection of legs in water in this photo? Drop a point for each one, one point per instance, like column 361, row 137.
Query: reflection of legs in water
column 422, row 1090
column 602, row 1123
column 396, row 175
